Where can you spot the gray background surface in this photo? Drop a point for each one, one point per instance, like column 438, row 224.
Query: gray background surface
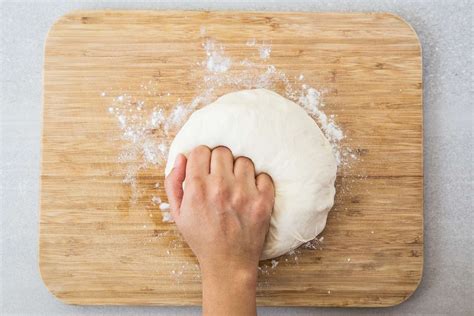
column 445, row 31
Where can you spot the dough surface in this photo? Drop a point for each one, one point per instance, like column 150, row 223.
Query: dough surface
column 281, row 140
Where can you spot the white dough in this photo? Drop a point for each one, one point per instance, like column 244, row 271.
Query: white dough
column 281, row 140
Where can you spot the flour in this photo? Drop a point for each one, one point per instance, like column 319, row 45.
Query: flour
column 177, row 117
column 145, row 127
column 251, row 42
column 310, row 100
column 216, row 60
column 166, row 217
column 157, row 118
column 315, row 244
column 165, row 214
column 164, row 206
column 264, row 50
column 274, row 264
column 156, row 200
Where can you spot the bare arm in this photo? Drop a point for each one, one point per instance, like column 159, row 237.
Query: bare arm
column 224, row 214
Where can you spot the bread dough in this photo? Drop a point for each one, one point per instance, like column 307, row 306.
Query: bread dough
column 281, row 140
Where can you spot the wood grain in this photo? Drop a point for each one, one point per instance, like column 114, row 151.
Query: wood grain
column 96, row 247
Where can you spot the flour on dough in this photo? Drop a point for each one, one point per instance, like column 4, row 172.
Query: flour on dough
column 281, row 140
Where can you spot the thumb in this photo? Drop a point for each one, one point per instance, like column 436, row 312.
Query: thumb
column 174, row 184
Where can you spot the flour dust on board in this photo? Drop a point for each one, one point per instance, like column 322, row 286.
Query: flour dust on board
column 145, row 126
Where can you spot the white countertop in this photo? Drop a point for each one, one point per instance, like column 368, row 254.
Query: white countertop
column 445, row 30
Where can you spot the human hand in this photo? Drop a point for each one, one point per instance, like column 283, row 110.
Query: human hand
column 223, row 213
column 224, row 210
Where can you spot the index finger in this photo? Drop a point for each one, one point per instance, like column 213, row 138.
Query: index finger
column 199, row 161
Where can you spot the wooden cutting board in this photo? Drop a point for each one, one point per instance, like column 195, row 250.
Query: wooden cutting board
column 100, row 245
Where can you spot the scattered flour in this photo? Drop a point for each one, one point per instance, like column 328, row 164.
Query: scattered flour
column 165, row 214
column 164, row 206
column 145, row 127
column 156, row 200
column 216, row 61
column 251, row 42
column 274, row 264
column 177, row 117
column 167, row 218
column 310, row 100
column 264, row 50
column 315, row 244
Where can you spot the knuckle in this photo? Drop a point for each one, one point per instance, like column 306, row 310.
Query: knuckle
column 238, row 199
column 261, row 215
column 217, row 180
column 221, row 150
column 263, row 204
column 219, row 188
column 200, row 150
column 245, row 162
column 194, row 180
column 264, row 178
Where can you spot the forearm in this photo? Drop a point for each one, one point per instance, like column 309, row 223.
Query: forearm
column 229, row 292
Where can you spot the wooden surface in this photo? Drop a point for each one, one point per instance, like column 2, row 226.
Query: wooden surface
column 98, row 247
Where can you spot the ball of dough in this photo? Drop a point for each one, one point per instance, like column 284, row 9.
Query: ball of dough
column 282, row 141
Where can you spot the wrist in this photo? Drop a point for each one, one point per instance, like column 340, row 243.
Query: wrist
column 229, row 290
column 233, row 274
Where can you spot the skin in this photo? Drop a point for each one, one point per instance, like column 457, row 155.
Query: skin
column 223, row 214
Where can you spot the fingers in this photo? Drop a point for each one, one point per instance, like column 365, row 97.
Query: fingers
column 222, row 161
column 174, row 184
column 198, row 162
column 265, row 185
column 244, row 170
